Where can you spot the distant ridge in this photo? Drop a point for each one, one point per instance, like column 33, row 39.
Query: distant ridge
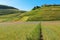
column 8, row 13
column 6, row 7
column 51, row 5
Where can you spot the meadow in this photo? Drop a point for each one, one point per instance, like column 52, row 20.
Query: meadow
column 20, row 31
column 51, row 30
column 30, row 30
column 42, row 23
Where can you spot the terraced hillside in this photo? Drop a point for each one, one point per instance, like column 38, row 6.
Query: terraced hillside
column 44, row 13
column 8, row 13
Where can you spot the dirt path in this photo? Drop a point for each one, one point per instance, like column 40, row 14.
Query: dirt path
column 41, row 35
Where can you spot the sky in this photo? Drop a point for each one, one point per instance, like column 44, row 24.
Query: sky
column 27, row 4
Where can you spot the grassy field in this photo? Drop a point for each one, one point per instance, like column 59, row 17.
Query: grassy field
column 19, row 31
column 15, row 25
column 51, row 13
column 51, row 30
column 30, row 30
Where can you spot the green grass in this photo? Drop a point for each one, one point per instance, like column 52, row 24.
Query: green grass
column 10, row 15
column 19, row 31
column 43, row 14
column 30, row 30
column 51, row 30
column 22, row 30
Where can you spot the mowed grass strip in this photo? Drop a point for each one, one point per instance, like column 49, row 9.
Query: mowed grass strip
column 19, row 31
column 51, row 30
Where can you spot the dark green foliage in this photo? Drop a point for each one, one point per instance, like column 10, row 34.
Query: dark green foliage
column 46, row 5
column 6, row 7
column 36, row 7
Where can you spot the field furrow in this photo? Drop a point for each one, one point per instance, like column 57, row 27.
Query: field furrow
column 51, row 30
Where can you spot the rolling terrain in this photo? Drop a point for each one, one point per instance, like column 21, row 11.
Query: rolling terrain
column 44, row 13
column 44, row 30
column 42, row 23
column 8, row 13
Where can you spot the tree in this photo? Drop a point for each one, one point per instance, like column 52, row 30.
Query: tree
column 36, row 7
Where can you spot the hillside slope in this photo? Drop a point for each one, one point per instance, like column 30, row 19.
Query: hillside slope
column 44, row 13
column 8, row 13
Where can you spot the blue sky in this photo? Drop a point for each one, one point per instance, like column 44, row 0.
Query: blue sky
column 27, row 4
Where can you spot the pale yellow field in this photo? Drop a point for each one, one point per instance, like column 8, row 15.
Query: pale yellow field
column 51, row 30
column 19, row 31
column 30, row 30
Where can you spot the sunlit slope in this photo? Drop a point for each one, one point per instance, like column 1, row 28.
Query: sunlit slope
column 24, row 19
column 51, row 30
column 9, row 15
column 45, row 13
column 20, row 31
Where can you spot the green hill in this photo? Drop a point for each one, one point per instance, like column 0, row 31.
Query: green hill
column 8, row 13
column 6, row 7
column 44, row 13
